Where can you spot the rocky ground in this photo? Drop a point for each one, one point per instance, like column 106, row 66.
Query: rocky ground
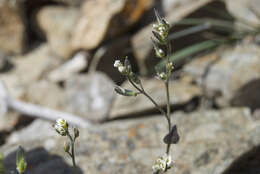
column 56, row 58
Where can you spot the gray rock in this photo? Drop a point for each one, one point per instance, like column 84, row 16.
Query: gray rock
column 211, row 142
column 58, row 31
column 181, row 92
column 12, row 30
column 89, row 95
column 234, row 72
column 242, row 11
column 47, row 94
column 70, row 68
column 29, row 68
column 38, row 129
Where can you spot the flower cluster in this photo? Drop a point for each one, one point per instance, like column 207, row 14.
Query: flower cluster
column 161, row 30
column 121, row 68
column 162, row 163
column 61, row 126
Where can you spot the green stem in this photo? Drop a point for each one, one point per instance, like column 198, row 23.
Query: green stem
column 142, row 91
column 72, row 152
column 168, row 93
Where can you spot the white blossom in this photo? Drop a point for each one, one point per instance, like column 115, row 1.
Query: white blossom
column 61, row 126
column 117, row 63
column 121, row 69
column 162, row 163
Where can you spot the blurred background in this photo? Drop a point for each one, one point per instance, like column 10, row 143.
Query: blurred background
column 56, row 59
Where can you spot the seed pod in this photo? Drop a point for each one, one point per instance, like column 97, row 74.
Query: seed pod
column 125, row 92
column 172, row 137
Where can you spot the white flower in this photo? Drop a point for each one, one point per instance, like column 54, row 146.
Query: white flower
column 61, row 126
column 167, row 159
column 117, row 63
column 122, row 69
column 162, row 163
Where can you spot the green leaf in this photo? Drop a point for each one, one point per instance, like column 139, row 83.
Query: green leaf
column 2, row 168
column 186, row 52
column 21, row 163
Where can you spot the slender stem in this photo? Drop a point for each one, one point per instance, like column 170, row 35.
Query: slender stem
column 72, row 152
column 142, row 91
column 168, row 93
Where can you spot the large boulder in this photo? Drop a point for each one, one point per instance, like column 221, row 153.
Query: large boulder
column 102, row 19
column 90, row 95
column 211, row 142
column 234, row 72
column 246, row 13
column 29, row 68
column 58, row 31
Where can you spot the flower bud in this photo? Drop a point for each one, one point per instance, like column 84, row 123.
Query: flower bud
column 66, row 146
column 76, row 132
column 125, row 92
column 162, row 75
column 21, row 164
column 170, row 66
column 161, row 29
column 159, row 53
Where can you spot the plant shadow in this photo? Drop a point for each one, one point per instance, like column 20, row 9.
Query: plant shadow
column 248, row 163
column 41, row 162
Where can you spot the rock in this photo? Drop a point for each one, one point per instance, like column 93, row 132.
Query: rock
column 210, row 142
column 47, row 94
column 105, row 18
column 12, row 30
column 89, row 96
column 32, row 132
column 242, row 12
column 255, row 6
column 181, row 92
column 70, row 68
column 58, row 31
column 141, row 42
column 8, row 121
column 230, row 71
column 28, row 69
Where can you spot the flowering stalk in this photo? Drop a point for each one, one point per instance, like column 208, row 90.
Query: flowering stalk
column 62, row 128
column 162, row 50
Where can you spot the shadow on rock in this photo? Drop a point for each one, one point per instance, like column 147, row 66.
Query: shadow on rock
column 40, row 162
column 248, row 163
column 248, row 95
